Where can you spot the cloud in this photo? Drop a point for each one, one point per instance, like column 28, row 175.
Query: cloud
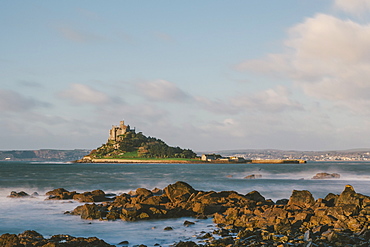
column 216, row 106
column 11, row 101
column 273, row 100
column 83, row 94
column 77, row 35
column 162, row 90
column 327, row 57
column 356, row 7
column 270, row 100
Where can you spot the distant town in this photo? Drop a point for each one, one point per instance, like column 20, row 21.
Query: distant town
column 265, row 154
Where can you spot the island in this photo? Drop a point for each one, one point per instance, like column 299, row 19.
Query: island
column 124, row 145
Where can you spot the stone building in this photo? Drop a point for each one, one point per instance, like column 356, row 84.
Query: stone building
column 116, row 132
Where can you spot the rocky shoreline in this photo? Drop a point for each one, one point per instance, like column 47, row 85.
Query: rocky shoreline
column 242, row 220
column 33, row 238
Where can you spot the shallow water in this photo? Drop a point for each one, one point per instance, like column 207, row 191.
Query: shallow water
column 46, row 217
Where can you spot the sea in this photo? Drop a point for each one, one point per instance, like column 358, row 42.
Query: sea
column 47, row 216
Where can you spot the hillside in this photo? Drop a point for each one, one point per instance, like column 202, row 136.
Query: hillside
column 132, row 145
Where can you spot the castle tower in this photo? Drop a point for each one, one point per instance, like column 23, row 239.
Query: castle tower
column 116, row 131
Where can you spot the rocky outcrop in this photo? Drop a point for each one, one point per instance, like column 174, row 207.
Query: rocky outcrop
column 63, row 194
column 336, row 220
column 324, row 175
column 33, row 238
column 20, row 194
column 342, row 219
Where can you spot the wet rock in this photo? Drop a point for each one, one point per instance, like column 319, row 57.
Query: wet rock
column 33, row 238
column 63, row 194
column 20, row 194
column 324, row 175
column 179, row 192
column 168, row 228
column 93, row 196
column 188, row 223
column 60, row 194
column 253, row 176
column 125, row 242
column 90, row 211
column 205, row 236
column 299, row 221
column 186, row 244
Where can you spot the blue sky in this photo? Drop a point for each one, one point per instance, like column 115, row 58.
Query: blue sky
column 205, row 75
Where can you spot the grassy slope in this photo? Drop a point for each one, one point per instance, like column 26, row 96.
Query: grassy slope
column 134, row 156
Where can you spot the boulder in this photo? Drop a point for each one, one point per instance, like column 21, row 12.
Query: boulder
column 186, row 244
column 60, row 194
column 90, row 211
column 179, row 191
column 93, row 196
column 255, row 196
column 20, row 194
column 301, row 198
column 349, row 196
column 324, row 175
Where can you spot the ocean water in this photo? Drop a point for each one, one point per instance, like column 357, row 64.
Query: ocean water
column 277, row 182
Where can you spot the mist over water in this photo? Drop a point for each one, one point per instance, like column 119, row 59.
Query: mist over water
column 46, row 217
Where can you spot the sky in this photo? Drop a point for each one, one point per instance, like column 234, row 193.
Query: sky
column 204, row 75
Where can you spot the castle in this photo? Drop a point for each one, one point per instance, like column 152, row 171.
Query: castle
column 116, row 132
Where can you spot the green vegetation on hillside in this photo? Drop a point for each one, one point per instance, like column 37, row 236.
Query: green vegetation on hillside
column 136, row 145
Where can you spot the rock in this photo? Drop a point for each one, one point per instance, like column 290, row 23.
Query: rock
column 60, row 194
column 253, row 176
column 205, row 236
column 10, row 240
column 349, row 196
column 186, row 244
column 33, row 238
column 90, row 211
column 301, row 198
column 20, row 194
column 324, row 175
column 255, row 196
column 188, row 223
column 282, row 202
column 299, row 221
column 157, row 191
column 125, row 242
column 168, row 228
column 63, row 194
column 179, row 192
column 93, row 196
